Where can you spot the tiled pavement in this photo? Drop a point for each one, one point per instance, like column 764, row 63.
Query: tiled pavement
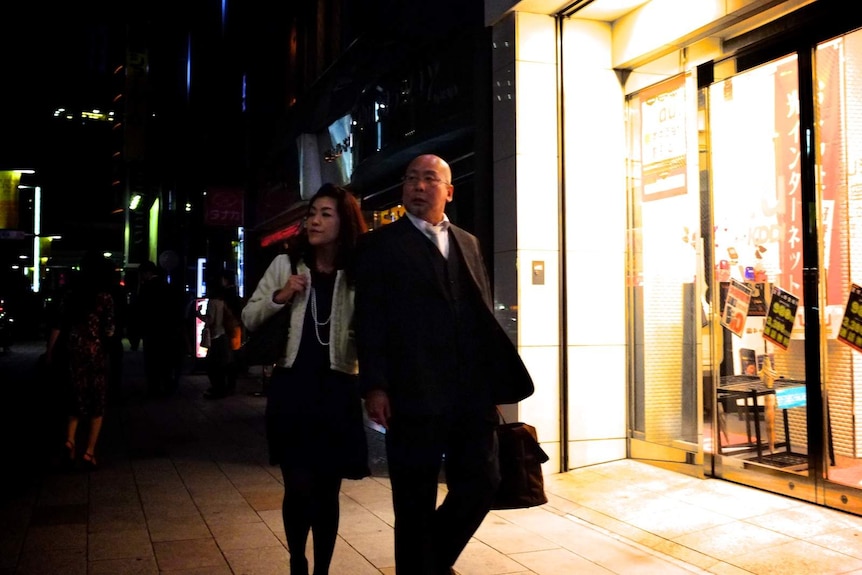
column 184, row 488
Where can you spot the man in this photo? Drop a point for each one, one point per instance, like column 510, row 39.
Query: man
column 223, row 321
column 160, row 315
column 433, row 364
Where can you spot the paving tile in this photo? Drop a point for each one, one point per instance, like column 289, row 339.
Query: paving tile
column 231, row 512
column 230, row 536
column 131, row 566
column 179, row 510
column 479, row 558
column 507, row 537
column 795, row 558
column 59, row 514
column 554, row 562
column 378, row 548
column 178, row 529
column 263, row 497
column 188, row 554
column 53, row 562
column 67, row 536
column 123, row 518
column 805, row 521
column 262, row 561
column 732, row 540
column 120, row 544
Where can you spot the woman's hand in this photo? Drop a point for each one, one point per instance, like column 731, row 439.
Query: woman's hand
column 295, row 284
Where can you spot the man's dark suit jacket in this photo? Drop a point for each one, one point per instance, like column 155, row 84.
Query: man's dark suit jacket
column 405, row 321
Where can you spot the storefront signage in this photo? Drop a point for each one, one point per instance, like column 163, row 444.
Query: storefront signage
column 757, row 305
column 788, row 160
column 780, row 317
column 830, row 107
column 224, row 207
column 663, row 144
column 9, row 199
column 851, row 325
column 736, row 307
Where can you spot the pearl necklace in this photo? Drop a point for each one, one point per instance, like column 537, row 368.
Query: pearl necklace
column 317, row 324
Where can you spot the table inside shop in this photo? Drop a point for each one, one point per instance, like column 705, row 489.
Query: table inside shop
column 789, row 393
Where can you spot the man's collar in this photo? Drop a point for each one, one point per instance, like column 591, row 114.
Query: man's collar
column 422, row 224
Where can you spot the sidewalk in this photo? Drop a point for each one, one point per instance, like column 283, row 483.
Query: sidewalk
column 184, row 488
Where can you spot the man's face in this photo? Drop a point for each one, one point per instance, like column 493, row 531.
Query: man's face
column 427, row 188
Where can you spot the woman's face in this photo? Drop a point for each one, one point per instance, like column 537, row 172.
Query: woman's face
column 323, row 222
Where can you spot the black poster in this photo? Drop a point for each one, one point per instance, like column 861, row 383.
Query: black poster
column 851, row 326
column 780, row 317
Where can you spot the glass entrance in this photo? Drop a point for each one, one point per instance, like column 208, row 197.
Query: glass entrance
column 758, row 240
column 745, row 271
column 782, row 158
column 665, row 276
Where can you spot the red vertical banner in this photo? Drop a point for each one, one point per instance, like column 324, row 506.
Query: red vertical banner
column 831, row 177
column 788, row 156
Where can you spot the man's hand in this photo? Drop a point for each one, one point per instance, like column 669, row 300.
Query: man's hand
column 377, row 407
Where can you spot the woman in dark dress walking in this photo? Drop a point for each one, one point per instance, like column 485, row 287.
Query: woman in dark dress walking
column 315, row 430
column 78, row 351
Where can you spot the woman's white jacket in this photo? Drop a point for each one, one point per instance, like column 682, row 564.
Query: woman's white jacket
column 260, row 307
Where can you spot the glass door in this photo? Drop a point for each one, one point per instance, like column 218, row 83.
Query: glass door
column 782, row 154
column 665, row 276
column 758, row 238
column 838, row 73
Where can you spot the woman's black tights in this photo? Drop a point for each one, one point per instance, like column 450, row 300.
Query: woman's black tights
column 310, row 504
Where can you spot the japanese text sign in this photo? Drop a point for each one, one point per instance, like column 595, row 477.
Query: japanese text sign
column 736, row 307
column 780, row 317
column 851, row 325
column 223, row 207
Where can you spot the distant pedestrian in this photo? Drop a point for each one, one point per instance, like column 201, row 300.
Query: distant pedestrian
column 79, row 349
column 160, row 314
column 313, row 413
column 222, row 320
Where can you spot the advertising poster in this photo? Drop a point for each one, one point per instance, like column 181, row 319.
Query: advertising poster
column 736, row 307
column 663, row 143
column 851, row 325
column 780, row 317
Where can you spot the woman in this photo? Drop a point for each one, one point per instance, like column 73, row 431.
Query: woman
column 314, row 421
column 78, row 346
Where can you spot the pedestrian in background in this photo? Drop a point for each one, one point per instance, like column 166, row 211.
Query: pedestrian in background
column 222, row 320
column 160, row 320
column 314, row 425
column 79, row 347
column 433, row 364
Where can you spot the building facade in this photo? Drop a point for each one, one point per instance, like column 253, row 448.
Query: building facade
column 675, row 217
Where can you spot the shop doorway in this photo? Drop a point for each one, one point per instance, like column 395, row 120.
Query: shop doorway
column 745, row 253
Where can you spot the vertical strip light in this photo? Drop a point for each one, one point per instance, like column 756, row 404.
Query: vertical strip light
column 188, row 66
column 223, row 15
column 37, row 240
column 240, row 261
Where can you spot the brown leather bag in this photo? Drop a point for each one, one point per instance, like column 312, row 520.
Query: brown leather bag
column 521, row 457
